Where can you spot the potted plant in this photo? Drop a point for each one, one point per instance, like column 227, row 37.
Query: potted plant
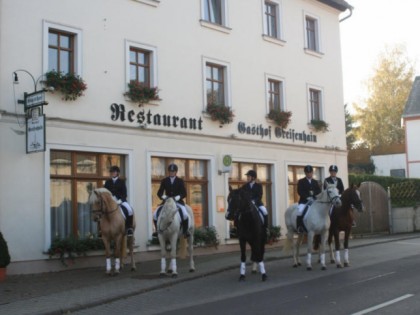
column 69, row 84
column 281, row 118
column 319, row 125
column 4, row 257
column 140, row 93
column 220, row 113
column 273, row 234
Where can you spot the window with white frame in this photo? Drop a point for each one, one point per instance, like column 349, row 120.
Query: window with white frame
column 312, row 33
column 216, row 83
column 62, row 51
column 271, row 19
column 214, row 11
column 141, row 64
column 315, row 103
column 275, row 94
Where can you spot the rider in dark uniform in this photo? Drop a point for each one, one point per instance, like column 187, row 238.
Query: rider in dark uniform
column 173, row 186
column 118, row 189
column 307, row 189
column 256, row 192
column 333, row 179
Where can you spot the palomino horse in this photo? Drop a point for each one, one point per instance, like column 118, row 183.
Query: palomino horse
column 341, row 220
column 112, row 223
column 169, row 230
column 250, row 229
column 316, row 220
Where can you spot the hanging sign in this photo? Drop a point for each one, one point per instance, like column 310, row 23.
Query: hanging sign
column 35, row 133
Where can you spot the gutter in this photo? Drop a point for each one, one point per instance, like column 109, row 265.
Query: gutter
column 350, row 8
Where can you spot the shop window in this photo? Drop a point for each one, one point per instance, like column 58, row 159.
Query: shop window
column 194, row 174
column 73, row 176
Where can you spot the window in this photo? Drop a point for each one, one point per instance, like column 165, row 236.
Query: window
column 62, row 52
column 312, row 33
column 73, row 176
column 237, row 179
column 295, row 172
column 275, row 95
column 142, row 64
column 214, row 11
column 194, row 174
column 216, row 83
column 271, row 21
column 315, row 103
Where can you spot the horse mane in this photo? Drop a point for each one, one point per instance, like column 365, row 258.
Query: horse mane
column 105, row 193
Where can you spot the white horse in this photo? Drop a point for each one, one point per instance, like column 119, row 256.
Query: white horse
column 316, row 220
column 169, row 230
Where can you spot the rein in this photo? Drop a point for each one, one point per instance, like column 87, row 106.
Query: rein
column 101, row 211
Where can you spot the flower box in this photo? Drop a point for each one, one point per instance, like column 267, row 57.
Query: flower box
column 220, row 113
column 140, row 93
column 281, row 118
column 69, row 84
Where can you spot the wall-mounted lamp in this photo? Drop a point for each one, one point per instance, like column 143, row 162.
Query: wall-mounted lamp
column 143, row 126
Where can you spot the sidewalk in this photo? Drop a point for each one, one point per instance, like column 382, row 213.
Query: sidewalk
column 70, row 290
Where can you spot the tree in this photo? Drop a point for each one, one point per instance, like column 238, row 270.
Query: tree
column 379, row 122
column 350, row 137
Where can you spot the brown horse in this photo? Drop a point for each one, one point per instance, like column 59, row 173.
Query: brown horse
column 342, row 220
column 107, row 212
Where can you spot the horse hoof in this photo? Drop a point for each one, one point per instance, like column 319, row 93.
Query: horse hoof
column 192, row 270
column 169, row 271
column 254, row 272
column 264, row 277
column 346, row 264
column 332, row 261
column 309, row 268
column 133, row 268
column 339, row 266
column 174, row 275
column 242, row 278
column 299, row 264
column 324, row 268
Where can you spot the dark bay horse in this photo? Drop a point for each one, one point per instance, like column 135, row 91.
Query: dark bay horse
column 342, row 220
column 249, row 227
column 107, row 211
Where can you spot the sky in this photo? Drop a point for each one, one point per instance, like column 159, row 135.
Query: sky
column 365, row 35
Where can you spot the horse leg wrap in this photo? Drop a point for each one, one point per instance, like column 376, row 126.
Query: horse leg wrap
column 322, row 258
column 162, row 265
column 346, row 255
column 242, row 268
column 337, row 257
column 117, row 264
column 108, row 264
column 173, row 265
column 309, row 259
column 262, row 267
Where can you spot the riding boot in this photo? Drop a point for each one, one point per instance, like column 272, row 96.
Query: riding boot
column 99, row 230
column 265, row 225
column 300, row 227
column 129, row 225
column 155, row 233
column 185, row 228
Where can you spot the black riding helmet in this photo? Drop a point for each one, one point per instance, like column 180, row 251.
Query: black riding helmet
column 251, row 173
column 308, row 169
column 172, row 168
column 333, row 168
column 114, row 168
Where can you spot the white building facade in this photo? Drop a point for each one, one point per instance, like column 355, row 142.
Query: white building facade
column 250, row 56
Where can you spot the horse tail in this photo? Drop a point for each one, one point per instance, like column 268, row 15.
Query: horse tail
column 288, row 244
column 124, row 247
column 182, row 247
column 317, row 242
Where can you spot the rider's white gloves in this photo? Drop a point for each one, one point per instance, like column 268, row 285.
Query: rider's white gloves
column 119, row 201
column 164, row 197
column 177, row 198
column 310, row 199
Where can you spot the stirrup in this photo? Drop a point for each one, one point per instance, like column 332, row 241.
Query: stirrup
column 130, row 232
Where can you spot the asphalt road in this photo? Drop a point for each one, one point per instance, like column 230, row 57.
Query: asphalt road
column 382, row 279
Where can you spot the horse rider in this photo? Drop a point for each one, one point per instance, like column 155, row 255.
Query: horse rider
column 173, row 187
column 307, row 189
column 256, row 191
column 333, row 179
column 118, row 189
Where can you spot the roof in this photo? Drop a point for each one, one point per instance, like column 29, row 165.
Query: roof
column 337, row 4
column 412, row 107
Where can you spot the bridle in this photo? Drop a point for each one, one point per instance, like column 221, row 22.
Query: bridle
column 332, row 200
column 101, row 212
column 168, row 224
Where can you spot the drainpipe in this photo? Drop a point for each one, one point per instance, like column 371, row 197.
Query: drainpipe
column 350, row 14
